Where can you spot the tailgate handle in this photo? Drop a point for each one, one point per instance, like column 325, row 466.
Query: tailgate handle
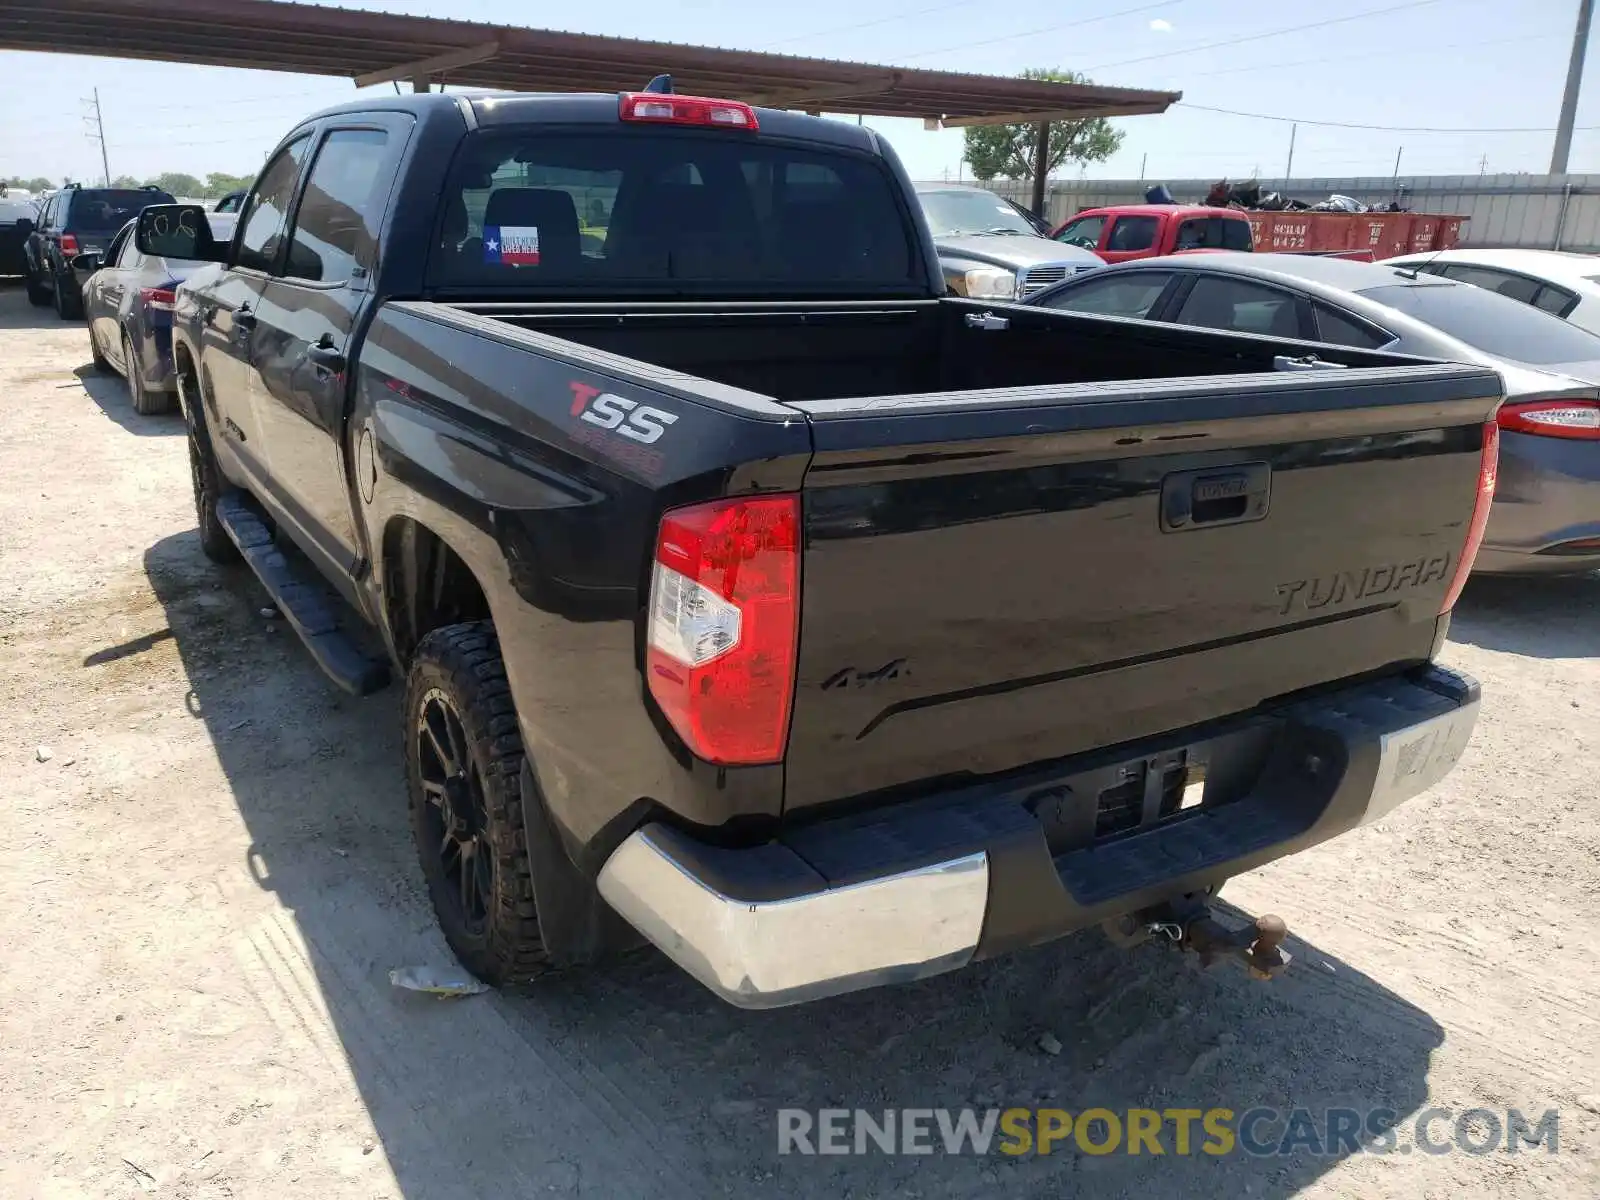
column 1215, row 496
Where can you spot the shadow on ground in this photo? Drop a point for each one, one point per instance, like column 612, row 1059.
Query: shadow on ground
column 22, row 315
column 1546, row 617
column 635, row 1081
column 110, row 391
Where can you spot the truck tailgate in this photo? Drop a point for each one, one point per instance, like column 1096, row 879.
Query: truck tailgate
column 1003, row 578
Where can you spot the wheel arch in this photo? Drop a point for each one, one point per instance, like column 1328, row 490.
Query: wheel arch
column 426, row 584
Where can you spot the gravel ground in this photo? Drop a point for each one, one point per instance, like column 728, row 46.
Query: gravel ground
column 205, row 884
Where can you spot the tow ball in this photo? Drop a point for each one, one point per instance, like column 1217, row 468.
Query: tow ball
column 1257, row 947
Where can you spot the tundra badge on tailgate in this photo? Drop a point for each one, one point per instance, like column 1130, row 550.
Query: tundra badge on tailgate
column 1319, row 592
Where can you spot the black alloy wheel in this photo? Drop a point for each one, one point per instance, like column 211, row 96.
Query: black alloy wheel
column 455, row 824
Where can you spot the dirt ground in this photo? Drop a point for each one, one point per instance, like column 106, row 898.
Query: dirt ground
column 203, row 889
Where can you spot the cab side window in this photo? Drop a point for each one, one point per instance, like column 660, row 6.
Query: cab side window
column 266, row 208
column 341, row 209
column 1133, row 233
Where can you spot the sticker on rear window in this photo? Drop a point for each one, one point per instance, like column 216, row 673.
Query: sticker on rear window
column 511, row 245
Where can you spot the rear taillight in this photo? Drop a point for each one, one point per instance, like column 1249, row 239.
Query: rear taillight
column 159, row 299
column 69, row 243
column 1578, row 418
column 666, row 109
column 723, row 625
column 1488, row 465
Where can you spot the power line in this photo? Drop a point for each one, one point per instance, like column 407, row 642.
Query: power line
column 1011, row 37
column 1272, row 33
column 1391, row 53
column 1229, row 112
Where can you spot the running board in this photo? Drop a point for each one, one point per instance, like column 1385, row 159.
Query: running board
column 303, row 599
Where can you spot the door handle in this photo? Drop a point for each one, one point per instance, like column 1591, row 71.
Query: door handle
column 326, row 356
column 243, row 318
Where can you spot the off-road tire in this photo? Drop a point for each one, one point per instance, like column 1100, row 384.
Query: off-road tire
column 209, row 485
column 145, row 402
column 460, row 666
column 38, row 294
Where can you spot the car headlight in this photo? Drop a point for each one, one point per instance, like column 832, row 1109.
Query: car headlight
column 990, row 283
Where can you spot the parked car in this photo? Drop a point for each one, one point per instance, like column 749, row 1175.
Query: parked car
column 1129, row 231
column 990, row 248
column 77, row 220
column 127, row 301
column 1546, row 516
column 724, row 564
column 230, row 202
column 1561, row 284
column 1146, row 230
column 17, row 214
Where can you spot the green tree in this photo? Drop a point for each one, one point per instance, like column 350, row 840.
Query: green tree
column 1007, row 150
column 37, row 184
column 220, row 184
column 124, row 181
column 176, row 183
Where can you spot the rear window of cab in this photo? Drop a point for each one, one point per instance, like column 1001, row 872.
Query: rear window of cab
column 669, row 211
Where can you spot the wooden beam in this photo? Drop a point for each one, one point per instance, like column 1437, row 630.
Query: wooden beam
column 427, row 67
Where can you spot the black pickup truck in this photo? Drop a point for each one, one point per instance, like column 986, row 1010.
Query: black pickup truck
column 754, row 597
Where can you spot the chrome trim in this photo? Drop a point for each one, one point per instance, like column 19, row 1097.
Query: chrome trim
column 1412, row 760
column 767, row 954
column 1028, row 285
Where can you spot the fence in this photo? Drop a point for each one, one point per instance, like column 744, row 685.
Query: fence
column 1544, row 212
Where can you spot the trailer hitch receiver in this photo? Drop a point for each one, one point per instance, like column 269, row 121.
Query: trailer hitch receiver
column 1257, row 947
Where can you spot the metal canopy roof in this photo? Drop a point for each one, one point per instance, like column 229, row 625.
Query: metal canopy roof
column 373, row 47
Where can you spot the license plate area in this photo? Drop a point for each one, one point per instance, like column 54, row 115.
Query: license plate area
column 1126, row 793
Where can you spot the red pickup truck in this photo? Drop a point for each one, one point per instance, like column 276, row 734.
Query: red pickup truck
column 1127, row 231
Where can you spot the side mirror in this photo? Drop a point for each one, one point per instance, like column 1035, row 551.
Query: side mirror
column 177, row 231
column 88, row 262
column 25, row 226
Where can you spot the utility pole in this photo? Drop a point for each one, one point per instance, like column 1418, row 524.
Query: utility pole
column 1288, row 171
column 1397, row 155
column 1483, row 165
column 1569, row 98
column 1143, row 159
column 99, row 134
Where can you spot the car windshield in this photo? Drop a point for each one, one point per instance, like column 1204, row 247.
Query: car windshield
column 1489, row 322
column 106, row 210
column 673, row 213
column 951, row 213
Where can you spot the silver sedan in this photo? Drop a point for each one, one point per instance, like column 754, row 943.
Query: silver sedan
column 1546, row 515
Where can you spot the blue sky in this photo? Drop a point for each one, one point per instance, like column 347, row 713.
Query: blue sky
column 1455, row 64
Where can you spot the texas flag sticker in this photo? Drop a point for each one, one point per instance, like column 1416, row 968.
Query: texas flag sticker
column 511, row 245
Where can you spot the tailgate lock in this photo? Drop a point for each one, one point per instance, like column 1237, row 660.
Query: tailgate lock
column 1215, row 496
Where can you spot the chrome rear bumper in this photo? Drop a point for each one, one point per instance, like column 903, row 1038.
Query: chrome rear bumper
column 768, row 953
column 927, row 886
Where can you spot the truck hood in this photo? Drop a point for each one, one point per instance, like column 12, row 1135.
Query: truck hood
column 1014, row 251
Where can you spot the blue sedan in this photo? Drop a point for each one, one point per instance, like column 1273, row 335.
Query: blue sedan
column 1546, row 514
column 127, row 302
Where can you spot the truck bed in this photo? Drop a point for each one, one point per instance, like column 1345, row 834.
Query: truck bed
column 1026, row 543
column 802, row 351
